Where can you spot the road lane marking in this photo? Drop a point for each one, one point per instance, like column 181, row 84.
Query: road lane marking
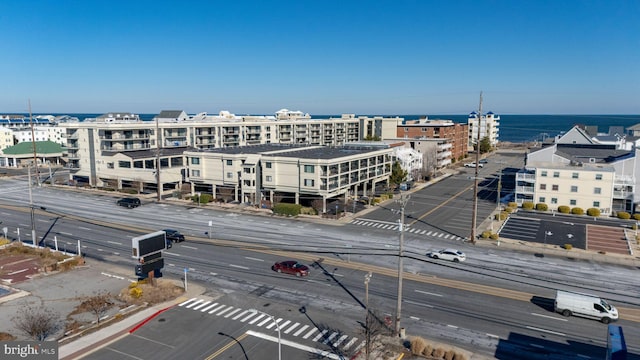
column 320, row 335
column 252, row 258
column 218, row 308
column 310, row 333
column 291, row 328
column 546, row 331
column 549, row 317
column 231, row 313
column 227, row 346
column 84, row 228
column 260, row 316
column 321, row 353
column 195, row 303
column 189, row 247
column 418, row 303
column 114, row 242
column 428, row 293
column 353, row 340
column 201, row 305
column 65, row 233
column 239, row 267
column 340, row 340
column 273, row 323
column 240, row 315
column 224, row 311
column 209, row 307
column 264, row 322
column 414, row 318
column 493, row 336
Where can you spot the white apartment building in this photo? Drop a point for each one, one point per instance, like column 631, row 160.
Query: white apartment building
column 299, row 174
column 576, row 170
column 488, row 125
column 119, row 148
column 6, row 138
column 411, row 161
column 41, row 133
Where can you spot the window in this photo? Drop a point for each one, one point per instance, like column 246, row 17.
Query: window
column 267, row 165
column 269, row 178
column 556, row 174
column 406, row 129
column 138, row 164
column 574, row 175
column 195, row 173
column 109, row 165
column 554, row 187
column 574, row 188
column 229, row 162
column 229, row 175
column 543, row 186
column 598, row 176
column 541, row 199
column 308, row 182
column 597, row 190
column 543, row 173
column 596, row 204
column 124, row 164
column 195, row 161
column 309, row 169
column 554, row 200
column 572, row 202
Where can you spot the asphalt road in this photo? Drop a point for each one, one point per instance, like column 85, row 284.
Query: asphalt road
column 463, row 313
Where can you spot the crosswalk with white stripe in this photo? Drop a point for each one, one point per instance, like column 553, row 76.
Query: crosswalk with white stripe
column 395, row 227
column 259, row 319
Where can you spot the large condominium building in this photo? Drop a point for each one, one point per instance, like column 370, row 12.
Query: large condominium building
column 119, row 148
column 576, row 171
column 306, row 175
column 488, row 125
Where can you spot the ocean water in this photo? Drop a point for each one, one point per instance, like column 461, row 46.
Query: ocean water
column 513, row 128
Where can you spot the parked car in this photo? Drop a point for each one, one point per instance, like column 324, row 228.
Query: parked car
column 473, row 164
column 129, row 202
column 173, row 235
column 291, row 267
column 483, row 161
column 448, row 254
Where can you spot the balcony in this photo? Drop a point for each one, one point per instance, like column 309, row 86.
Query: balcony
column 525, row 176
column 525, row 189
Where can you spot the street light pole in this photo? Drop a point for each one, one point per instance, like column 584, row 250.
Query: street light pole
column 277, row 328
column 33, row 223
column 367, row 277
column 474, row 215
column 403, row 202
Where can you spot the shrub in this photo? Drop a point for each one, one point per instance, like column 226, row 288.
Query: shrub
column 623, row 215
column 567, row 246
column 512, row 204
column 636, row 216
column 438, row 353
column 486, row 234
column 417, row 345
column 503, row 215
column 577, row 211
column 527, row 205
column 564, row 209
column 542, row 207
column 287, row 209
column 593, row 212
column 376, row 201
column 449, row 354
column 136, row 292
column 308, row 211
column 494, row 236
column 428, row 350
column 459, row 356
column 509, row 210
column 133, row 284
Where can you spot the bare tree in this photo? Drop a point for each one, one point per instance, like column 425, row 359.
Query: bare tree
column 37, row 322
column 98, row 304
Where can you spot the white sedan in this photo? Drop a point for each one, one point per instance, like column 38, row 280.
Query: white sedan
column 448, row 254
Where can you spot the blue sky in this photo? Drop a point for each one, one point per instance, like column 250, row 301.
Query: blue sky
column 321, row 57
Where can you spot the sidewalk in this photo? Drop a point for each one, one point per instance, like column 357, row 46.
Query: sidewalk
column 89, row 343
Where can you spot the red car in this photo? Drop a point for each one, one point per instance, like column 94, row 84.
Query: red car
column 291, row 267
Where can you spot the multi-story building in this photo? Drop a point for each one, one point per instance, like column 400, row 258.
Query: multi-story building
column 576, row 171
column 300, row 174
column 488, row 125
column 6, row 138
column 451, row 138
column 119, row 148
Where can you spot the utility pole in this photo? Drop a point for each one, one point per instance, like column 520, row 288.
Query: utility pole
column 158, row 142
column 474, row 214
column 403, row 202
column 33, row 145
column 33, row 222
column 367, row 321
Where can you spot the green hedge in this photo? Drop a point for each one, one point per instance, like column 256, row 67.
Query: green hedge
column 623, row 215
column 204, row 198
column 636, row 216
column 512, row 204
column 593, row 212
column 486, row 234
column 542, row 207
column 287, row 209
column 577, row 211
column 527, row 205
column 308, row 211
column 564, row 209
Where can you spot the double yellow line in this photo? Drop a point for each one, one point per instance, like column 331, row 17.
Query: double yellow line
column 226, row 347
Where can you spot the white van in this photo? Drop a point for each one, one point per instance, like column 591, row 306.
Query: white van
column 585, row 305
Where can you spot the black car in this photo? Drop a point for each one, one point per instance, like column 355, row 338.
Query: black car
column 129, row 202
column 173, row 235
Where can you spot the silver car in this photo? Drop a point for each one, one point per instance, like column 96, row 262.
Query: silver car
column 448, row 254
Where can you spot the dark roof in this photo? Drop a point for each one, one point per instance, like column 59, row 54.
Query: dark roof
column 586, row 152
column 42, row 147
column 325, row 152
column 169, row 114
column 150, row 153
column 253, row 149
